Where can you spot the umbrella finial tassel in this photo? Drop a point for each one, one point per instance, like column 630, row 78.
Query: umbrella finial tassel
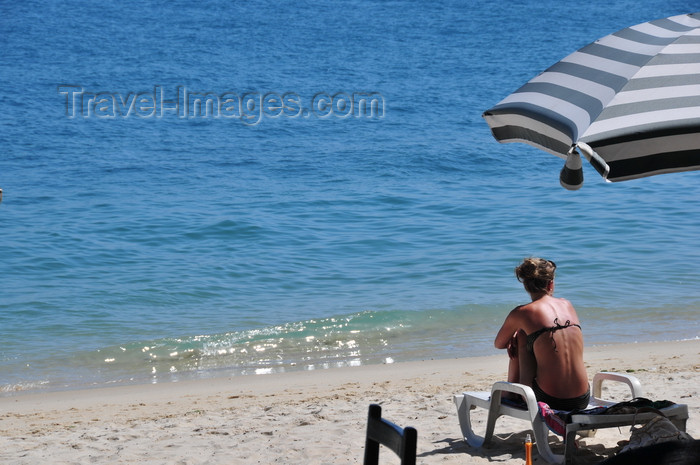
column 571, row 176
column 596, row 160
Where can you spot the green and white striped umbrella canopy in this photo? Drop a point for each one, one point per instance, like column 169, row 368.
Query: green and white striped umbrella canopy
column 630, row 102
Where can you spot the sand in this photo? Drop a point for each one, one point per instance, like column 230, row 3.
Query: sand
column 313, row 417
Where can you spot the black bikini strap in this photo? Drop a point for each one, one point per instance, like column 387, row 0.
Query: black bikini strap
column 557, row 328
column 560, row 326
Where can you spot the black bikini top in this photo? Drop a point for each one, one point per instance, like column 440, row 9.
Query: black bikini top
column 531, row 338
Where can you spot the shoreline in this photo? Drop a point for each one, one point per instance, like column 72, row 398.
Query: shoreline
column 214, row 376
column 311, row 417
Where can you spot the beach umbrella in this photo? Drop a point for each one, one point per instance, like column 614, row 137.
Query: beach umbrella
column 630, row 102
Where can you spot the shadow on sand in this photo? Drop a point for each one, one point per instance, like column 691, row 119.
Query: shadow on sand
column 505, row 447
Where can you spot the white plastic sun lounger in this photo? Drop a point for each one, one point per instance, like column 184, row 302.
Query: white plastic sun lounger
column 491, row 401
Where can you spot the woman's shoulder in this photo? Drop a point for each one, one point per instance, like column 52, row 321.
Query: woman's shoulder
column 524, row 308
column 566, row 310
column 563, row 302
column 528, row 313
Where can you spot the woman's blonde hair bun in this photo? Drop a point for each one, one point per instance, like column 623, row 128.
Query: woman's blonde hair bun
column 535, row 273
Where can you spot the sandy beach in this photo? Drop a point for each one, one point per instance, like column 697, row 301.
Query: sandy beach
column 313, row 417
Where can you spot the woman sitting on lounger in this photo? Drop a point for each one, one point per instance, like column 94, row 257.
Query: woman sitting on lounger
column 544, row 341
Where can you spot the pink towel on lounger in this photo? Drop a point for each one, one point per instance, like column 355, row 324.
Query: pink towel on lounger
column 551, row 418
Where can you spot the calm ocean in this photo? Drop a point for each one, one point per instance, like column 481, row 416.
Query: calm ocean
column 223, row 188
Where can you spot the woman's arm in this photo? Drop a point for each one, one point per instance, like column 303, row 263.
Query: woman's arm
column 511, row 325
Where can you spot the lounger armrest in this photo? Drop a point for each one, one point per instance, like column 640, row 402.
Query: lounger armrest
column 631, row 381
column 526, row 392
column 515, row 388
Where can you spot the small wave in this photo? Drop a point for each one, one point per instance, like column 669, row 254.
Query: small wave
column 20, row 387
column 367, row 337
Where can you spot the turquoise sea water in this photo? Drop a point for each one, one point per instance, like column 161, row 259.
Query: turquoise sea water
column 146, row 241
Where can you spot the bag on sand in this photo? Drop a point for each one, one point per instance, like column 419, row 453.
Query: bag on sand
column 658, row 429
